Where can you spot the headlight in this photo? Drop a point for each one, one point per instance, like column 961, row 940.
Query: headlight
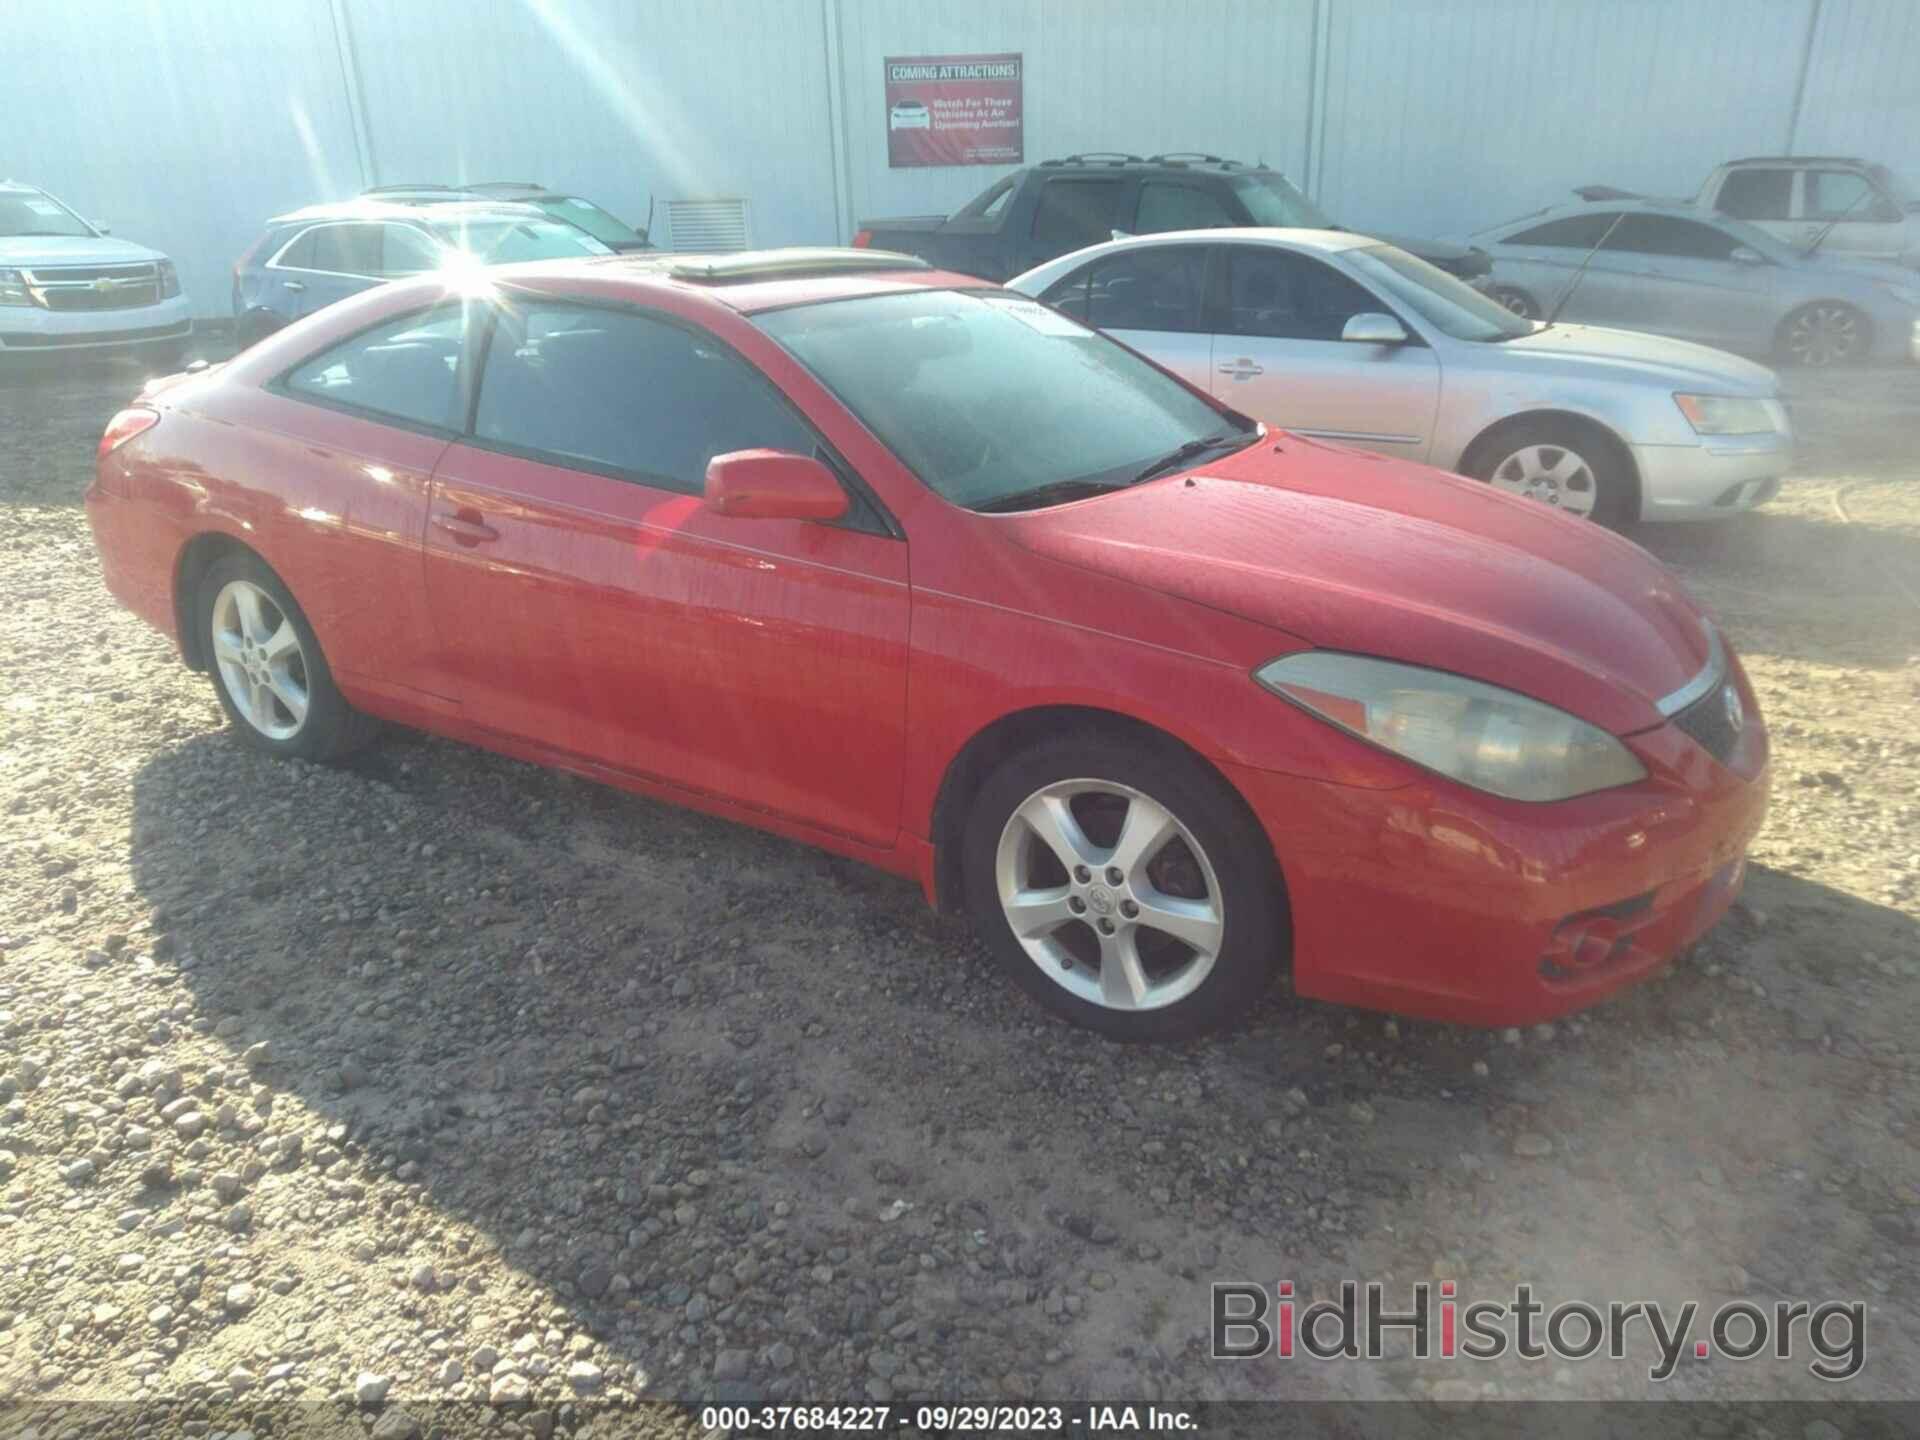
column 169, row 279
column 13, row 288
column 1480, row 735
column 1725, row 414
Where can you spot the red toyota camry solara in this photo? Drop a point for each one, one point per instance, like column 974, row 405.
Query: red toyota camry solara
column 919, row 571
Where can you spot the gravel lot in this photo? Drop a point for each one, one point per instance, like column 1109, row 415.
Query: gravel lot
column 441, row 1076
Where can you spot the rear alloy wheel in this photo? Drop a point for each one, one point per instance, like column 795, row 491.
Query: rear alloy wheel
column 1827, row 333
column 1563, row 465
column 1518, row 301
column 267, row 668
column 1122, row 888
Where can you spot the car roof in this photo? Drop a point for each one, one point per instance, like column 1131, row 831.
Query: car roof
column 1684, row 209
column 745, row 282
column 363, row 209
column 1801, row 160
column 1326, row 242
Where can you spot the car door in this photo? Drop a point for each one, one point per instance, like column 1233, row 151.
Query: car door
column 1854, row 214
column 325, row 263
column 588, row 601
column 1278, row 355
column 1072, row 213
column 1150, row 297
column 1688, row 283
column 1542, row 262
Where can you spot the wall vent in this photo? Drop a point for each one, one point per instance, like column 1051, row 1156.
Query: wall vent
column 705, row 227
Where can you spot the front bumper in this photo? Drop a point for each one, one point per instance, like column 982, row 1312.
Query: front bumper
column 29, row 330
column 1718, row 476
column 1435, row 901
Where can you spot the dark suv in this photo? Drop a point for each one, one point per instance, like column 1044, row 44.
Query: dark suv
column 1057, row 206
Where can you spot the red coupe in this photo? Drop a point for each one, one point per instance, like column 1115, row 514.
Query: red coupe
column 922, row 572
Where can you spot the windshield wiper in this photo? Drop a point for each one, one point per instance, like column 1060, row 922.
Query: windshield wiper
column 1191, row 449
column 1053, row 494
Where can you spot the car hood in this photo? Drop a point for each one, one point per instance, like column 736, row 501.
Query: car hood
column 1631, row 355
column 1447, row 254
column 1344, row 550
column 30, row 250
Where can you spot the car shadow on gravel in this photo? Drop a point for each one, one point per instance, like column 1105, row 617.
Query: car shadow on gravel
column 1846, row 579
column 765, row 1126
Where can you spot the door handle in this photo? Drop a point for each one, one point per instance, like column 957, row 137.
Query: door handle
column 1242, row 369
column 292, row 285
column 466, row 528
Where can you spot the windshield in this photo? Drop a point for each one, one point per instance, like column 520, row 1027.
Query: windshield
column 592, row 219
column 502, row 242
column 1899, row 187
column 1272, row 200
column 987, row 396
column 1449, row 305
column 28, row 212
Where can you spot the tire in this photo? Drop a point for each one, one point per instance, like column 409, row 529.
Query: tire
column 1209, row 871
column 267, row 667
column 1573, row 467
column 1517, row 300
column 254, row 327
column 1824, row 333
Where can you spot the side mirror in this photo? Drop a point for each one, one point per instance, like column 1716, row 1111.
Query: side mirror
column 1746, row 255
column 102, row 227
column 773, row 485
column 1374, row 328
column 1119, row 234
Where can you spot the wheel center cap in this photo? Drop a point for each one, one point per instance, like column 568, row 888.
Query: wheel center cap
column 1100, row 900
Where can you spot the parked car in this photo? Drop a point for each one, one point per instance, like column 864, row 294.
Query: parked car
column 310, row 258
column 583, row 214
column 919, row 571
column 1675, row 270
column 1058, row 206
column 1842, row 204
column 1345, row 338
column 66, row 284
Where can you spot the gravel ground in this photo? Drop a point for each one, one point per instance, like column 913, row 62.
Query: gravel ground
column 440, row 1076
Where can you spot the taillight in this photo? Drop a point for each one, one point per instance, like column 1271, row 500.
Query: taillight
column 136, row 420
column 863, row 239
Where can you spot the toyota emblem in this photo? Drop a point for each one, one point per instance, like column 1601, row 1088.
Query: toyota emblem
column 1736, row 712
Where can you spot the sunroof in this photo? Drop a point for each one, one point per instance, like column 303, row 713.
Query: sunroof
column 794, row 260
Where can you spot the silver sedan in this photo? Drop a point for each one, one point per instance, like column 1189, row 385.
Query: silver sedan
column 1675, row 270
column 1336, row 336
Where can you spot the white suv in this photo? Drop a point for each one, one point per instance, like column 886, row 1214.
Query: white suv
column 65, row 284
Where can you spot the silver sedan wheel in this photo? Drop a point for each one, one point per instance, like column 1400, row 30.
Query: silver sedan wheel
column 1109, row 894
column 1551, row 474
column 1823, row 335
column 262, row 667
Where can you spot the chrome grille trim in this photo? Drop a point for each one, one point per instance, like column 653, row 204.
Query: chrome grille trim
column 1709, row 678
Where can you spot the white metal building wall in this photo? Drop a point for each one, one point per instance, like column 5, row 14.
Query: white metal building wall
column 186, row 125
column 181, row 126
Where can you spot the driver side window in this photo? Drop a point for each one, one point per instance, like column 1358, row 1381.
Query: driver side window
column 1281, row 295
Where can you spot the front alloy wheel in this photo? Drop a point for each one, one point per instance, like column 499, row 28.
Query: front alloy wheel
column 1110, row 895
column 1555, row 475
column 1122, row 883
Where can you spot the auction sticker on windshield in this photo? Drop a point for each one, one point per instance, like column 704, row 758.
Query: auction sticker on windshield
column 1036, row 316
